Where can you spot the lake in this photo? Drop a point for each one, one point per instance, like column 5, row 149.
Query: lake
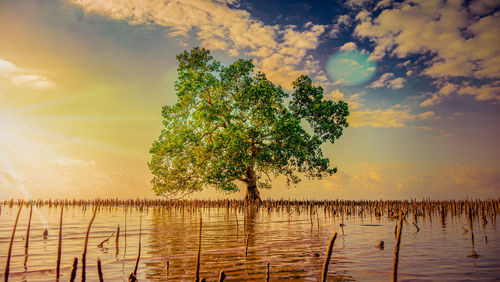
column 292, row 237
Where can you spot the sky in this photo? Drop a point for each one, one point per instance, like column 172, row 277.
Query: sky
column 82, row 83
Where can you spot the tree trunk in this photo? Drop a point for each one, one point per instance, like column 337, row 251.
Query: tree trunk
column 252, row 196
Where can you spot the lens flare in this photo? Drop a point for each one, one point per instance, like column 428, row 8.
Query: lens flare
column 350, row 68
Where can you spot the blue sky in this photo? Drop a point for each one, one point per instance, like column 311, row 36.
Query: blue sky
column 82, row 83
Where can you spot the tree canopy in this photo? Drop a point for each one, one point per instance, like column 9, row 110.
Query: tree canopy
column 232, row 124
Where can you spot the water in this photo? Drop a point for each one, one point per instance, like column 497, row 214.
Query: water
column 294, row 248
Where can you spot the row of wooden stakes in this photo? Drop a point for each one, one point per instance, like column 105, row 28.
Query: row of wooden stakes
column 485, row 205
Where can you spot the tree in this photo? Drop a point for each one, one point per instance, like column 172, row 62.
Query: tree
column 231, row 124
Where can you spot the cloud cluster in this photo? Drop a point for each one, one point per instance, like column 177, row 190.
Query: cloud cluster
column 342, row 22
column 72, row 162
column 483, row 92
column 22, row 77
column 462, row 43
column 396, row 116
column 401, row 181
column 349, row 46
column 279, row 51
column 485, row 180
column 388, row 80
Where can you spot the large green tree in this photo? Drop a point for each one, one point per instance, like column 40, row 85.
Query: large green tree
column 231, row 124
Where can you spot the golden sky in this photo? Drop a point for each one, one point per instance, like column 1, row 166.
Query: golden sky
column 82, row 83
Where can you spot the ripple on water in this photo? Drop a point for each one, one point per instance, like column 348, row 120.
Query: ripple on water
column 293, row 246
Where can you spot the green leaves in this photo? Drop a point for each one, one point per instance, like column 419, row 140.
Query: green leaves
column 230, row 124
column 327, row 118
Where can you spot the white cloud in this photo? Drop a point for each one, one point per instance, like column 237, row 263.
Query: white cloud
column 394, row 117
column 388, row 80
column 397, row 83
column 354, row 101
column 381, row 82
column 349, row 46
column 463, row 45
column 72, row 162
column 486, row 92
column 481, row 93
column 485, row 180
column 342, row 22
column 22, row 77
column 406, row 180
column 357, row 3
column 383, row 4
column 397, row 116
column 279, row 51
column 482, row 7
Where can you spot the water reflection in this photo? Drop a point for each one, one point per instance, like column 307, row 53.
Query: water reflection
column 293, row 241
column 292, row 254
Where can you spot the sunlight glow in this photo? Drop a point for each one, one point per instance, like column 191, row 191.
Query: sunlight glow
column 21, row 187
column 9, row 140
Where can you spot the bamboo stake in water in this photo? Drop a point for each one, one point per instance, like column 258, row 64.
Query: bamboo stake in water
column 197, row 275
column 139, row 252
column 418, row 229
column 237, row 227
column 99, row 270
column 101, row 245
column 26, row 245
column 84, row 255
column 125, row 235
column 7, row 265
column 328, row 256
column 72, row 276
column 117, row 241
column 222, row 276
column 59, row 244
column 247, row 239
column 396, row 250
column 168, row 267
column 267, row 274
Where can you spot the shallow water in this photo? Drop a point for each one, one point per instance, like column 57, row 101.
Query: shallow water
column 293, row 244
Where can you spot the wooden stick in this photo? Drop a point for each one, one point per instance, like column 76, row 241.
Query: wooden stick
column 222, row 276
column 168, row 267
column 7, row 265
column 247, row 239
column 72, row 276
column 396, row 250
column 267, row 274
column 418, row 229
column 84, row 255
column 117, row 241
column 328, row 256
column 105, row 240
column 310, row 215
column 197, row 275
column 139, row 252
column 26, row 245
column 125, row 235
column 99, row 270
column 237, row 228
column 59, row 245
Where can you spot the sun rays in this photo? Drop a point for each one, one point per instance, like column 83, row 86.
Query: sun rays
column 32, row 145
